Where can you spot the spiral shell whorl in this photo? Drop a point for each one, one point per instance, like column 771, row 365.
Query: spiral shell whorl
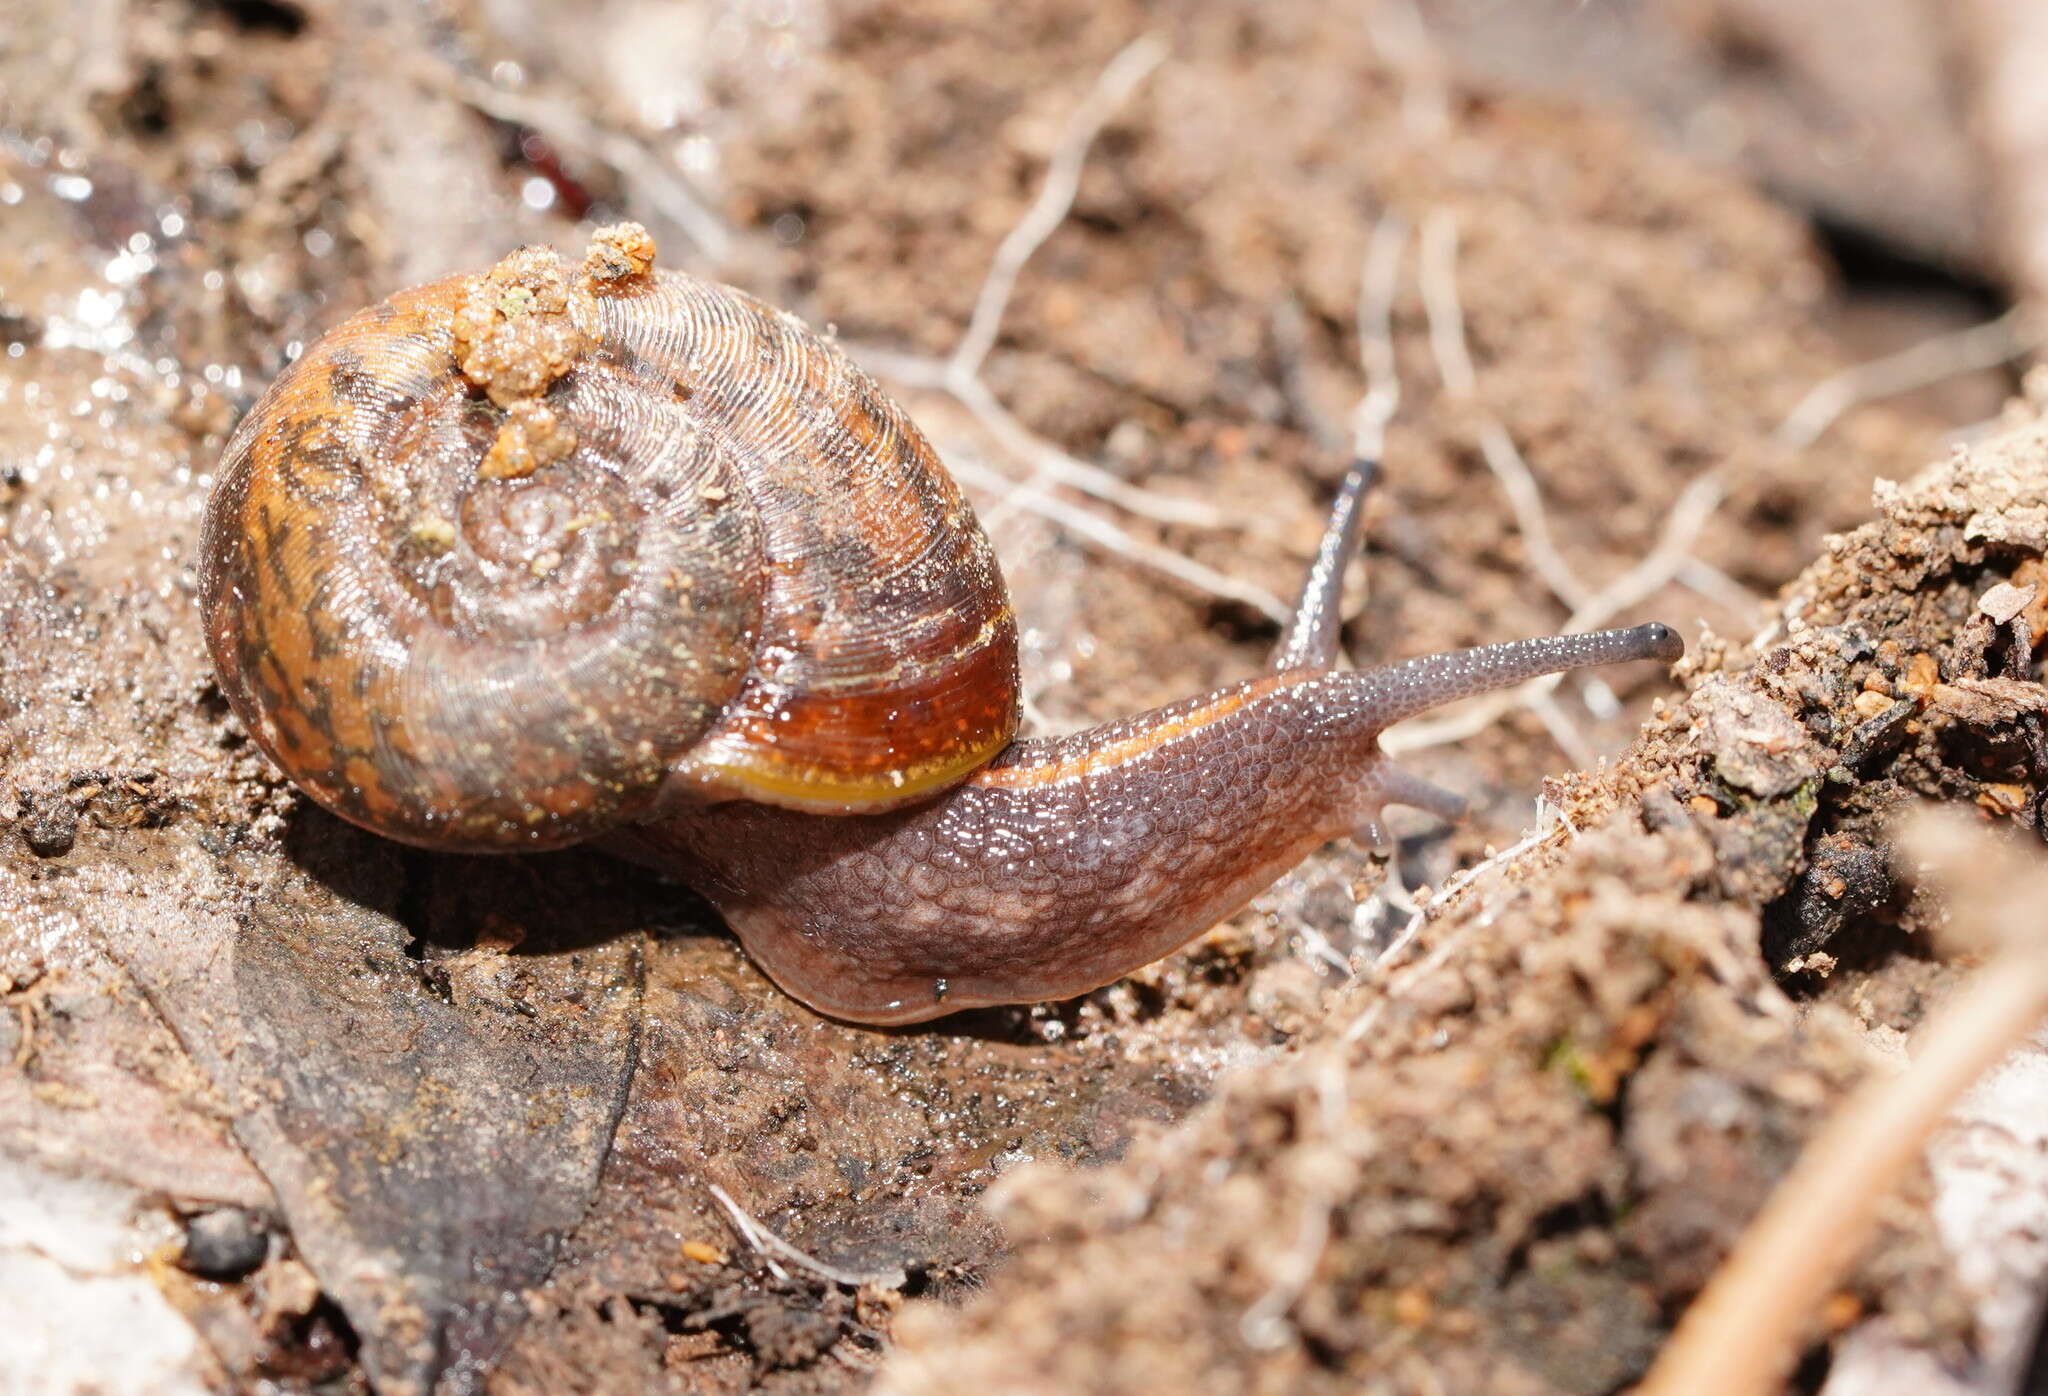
column 512, row 558
column 887, row 665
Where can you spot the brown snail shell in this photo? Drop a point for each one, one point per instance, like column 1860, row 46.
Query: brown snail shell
column 510, row 559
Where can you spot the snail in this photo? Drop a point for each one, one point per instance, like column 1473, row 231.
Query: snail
column 597, row 551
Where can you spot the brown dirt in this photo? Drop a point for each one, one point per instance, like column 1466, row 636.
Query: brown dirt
column 1875, row 135
column 1544, row 1134
column 1535, row 1155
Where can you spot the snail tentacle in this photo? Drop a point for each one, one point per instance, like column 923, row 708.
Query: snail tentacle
column 1311, row 638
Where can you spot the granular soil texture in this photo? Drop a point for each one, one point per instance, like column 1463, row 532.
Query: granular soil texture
column 227, row 998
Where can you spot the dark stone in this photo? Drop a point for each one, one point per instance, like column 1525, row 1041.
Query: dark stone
column 1847, row 878
column 17, row 326
column 49, row 827
column 225, row 1244
column 1881, row 735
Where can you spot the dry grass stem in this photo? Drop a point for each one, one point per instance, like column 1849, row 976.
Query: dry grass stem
column 1438, row 274
column 2011, row 336
column 769, row 1246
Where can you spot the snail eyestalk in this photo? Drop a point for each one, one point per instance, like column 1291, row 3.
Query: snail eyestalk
column 1399, row 691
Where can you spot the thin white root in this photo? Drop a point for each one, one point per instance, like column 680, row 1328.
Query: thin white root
column 2011, row 336
column 1114, row 541
column 769, row 1246
column 1397, row 29
column 1398, row 948
column 1378, row 280
column 1052, row 465
column 1118, row 80
column 958, row 375
column 1710, row 582
column 1049, row 463
column 1438, row 275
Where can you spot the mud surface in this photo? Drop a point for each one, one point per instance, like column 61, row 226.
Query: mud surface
column 476, row 1108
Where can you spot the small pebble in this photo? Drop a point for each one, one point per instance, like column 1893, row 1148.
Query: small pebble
column 2005, row 601
column 225, row 1244
column 49, row 830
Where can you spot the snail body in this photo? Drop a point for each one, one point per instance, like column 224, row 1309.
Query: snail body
column 558, row 553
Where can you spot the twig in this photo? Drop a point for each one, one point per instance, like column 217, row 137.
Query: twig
column 1739, row 1335
column 769, row 1245
column 1438, row 274
column 1131, row 66
column 1988, row 345
column 1113, row 540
